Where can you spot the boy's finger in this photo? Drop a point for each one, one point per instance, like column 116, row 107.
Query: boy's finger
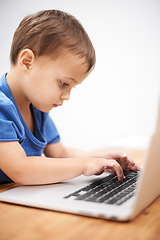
column 115, row 166
column 128, row 159
column 136, row 167
column 131, row 164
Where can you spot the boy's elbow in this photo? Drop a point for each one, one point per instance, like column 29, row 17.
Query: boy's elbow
column 19, row 179
column 19, row 176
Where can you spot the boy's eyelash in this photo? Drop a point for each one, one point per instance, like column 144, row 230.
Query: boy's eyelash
column 64, row 84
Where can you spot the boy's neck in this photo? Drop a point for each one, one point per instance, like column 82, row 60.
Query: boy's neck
column 15, row 80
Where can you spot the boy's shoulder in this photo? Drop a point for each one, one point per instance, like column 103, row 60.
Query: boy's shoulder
column 10, row 125
column 6, row 103
column 3, row 91
column 5, row 94
column 4, row 99
column 7, row 107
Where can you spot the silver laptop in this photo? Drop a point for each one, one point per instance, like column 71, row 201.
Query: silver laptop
column 99, row 196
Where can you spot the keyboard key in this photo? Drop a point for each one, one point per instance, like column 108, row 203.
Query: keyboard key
column 108, row 189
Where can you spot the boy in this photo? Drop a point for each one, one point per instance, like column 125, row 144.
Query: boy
column 50, row 54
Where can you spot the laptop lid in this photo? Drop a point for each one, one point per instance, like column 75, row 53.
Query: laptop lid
column 149, row 185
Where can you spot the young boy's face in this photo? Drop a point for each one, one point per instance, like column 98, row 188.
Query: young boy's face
column 49, row 82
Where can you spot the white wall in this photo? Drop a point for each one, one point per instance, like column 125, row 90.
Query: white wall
column 120, row 96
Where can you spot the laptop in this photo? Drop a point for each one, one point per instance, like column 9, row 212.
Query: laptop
column 99, row 196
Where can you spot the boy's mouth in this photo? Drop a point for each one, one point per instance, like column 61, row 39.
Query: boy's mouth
column 57, row 105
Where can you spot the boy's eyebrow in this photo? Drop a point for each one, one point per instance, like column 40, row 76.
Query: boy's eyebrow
column 74, row 80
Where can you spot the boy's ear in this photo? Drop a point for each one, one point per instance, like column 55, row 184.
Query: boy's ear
column 26, row 59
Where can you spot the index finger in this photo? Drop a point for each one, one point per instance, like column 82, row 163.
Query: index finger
column 115, row 166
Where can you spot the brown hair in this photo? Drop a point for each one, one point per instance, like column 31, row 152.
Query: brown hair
column 49, row 32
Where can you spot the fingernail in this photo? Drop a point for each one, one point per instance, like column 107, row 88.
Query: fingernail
column 124, row 155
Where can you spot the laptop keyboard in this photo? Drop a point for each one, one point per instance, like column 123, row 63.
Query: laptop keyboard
column 108, row 189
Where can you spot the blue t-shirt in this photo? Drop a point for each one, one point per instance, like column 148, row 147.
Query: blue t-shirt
column 14, row 128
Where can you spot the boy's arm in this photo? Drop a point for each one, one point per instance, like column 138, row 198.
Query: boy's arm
column 45, row 170
column 35, row 170
column 58, row 150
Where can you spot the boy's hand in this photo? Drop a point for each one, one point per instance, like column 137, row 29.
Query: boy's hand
column 114, row 162
column 125, row 161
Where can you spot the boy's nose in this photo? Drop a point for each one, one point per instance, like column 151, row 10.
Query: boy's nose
column 65, row 96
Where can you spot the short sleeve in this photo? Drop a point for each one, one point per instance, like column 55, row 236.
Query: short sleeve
column 11, row 128
column 49, row 130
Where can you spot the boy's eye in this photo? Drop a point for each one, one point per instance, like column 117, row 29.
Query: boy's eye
column 64, row 84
